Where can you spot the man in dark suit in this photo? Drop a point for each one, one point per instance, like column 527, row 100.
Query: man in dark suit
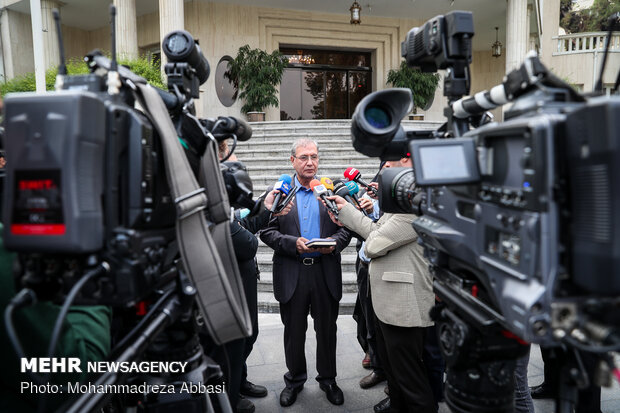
column 307, row 280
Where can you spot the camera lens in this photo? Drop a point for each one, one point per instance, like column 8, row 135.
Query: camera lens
column 377, row 117
column 177, row 43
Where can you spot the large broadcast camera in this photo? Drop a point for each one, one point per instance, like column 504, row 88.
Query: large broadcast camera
column 109, row 204
column 518, row 219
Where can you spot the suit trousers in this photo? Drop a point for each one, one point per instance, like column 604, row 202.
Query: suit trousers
column 365, row 299
column 311, row 296
column 251, row 291
column 401, row 351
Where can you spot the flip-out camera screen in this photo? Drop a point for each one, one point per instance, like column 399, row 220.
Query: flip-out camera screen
column 445, row 162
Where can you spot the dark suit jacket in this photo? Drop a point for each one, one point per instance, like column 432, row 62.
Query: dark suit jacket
column 281, row 235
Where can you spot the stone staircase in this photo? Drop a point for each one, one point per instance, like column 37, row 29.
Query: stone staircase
column 267, row 156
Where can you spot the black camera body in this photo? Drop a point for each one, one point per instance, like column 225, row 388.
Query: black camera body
column 515, row 217
column 87, row 184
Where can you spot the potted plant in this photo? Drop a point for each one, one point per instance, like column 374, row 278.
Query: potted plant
column 256, row 74
column 422, row 85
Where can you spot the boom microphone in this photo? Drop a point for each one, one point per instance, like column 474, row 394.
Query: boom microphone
column 284, row 187
column 321, row 192
column 354, row 175
column 225, row 125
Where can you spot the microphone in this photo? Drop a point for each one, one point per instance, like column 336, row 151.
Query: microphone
column 284, row 186
column 341, row 189
column 353, row 174
column 329, row 185
column 287, row 199
column 353, row 190
column 321, row 192
column 226, row 125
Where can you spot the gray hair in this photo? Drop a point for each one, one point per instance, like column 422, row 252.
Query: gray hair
column 303, row 142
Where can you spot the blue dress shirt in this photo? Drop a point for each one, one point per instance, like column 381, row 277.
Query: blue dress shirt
column 308, row 212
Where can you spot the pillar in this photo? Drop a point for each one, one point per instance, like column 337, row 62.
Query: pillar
column 126, row 29
column 170, row 18
column 517, row 33
column 51, row 53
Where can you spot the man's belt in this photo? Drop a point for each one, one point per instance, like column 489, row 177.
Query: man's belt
column 310, row 260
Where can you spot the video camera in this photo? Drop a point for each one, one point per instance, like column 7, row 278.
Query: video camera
column 516, row 218
column 114, row 195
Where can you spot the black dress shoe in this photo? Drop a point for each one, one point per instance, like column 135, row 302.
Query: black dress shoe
column 252, row 390
column 244, row 406
column 371, row 380
column 289, row 395
column 541, row 392
column 383, row 406
column 333, row 393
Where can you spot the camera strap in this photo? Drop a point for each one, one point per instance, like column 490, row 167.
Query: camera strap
column 206, row 250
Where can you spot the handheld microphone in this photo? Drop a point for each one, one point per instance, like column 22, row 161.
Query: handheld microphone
column 329, row 185
column 284, row 187
column 354, row 175
column 287, row 199
column 353, row 190
column 321, row 192
column 341, row 189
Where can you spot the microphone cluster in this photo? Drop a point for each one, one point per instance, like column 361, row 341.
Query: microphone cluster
column 347, row 189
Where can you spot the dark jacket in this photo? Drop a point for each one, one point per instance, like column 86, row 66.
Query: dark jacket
column 281, row 235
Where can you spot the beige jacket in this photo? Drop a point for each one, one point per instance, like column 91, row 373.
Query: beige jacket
column 400, row 283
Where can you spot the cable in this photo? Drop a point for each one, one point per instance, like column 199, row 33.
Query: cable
column 24, row 298
column 590, row 349
column 64, row 310
column 103, row 267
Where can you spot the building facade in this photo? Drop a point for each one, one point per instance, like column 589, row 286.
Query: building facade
column 333, row 63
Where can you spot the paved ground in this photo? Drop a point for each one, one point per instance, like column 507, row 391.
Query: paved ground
column 266, row 367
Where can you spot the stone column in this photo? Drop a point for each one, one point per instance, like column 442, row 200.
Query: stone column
column 170, row 18
column 517, row 33
column 126, row 29
column 51, row 51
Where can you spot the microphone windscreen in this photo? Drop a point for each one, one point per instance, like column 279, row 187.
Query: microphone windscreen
column 351, row 173
column 353, row 187
column 285, row 178
column 327, row 182
column 341, row 190
column 243, row 130
column 314, row 182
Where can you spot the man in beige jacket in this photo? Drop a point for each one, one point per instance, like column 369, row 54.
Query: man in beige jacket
column 402, row 295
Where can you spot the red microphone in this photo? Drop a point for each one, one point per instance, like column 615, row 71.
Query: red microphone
column 354, row 175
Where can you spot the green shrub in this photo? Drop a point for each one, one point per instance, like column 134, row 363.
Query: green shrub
column 27, row 82
column 422, row 85
column 256, row 74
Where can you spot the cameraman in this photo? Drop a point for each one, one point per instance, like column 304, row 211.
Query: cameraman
column 402, row 296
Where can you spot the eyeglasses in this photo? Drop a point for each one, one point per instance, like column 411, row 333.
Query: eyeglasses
column 304, row 158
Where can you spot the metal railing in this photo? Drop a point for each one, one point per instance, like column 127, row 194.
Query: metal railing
column 585, row 43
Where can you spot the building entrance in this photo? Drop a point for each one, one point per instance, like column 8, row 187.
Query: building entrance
column 323, row 84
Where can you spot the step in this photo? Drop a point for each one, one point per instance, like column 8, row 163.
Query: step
column 284, row 155
column 284, row 145
column 349, row 282
column 268, row 304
